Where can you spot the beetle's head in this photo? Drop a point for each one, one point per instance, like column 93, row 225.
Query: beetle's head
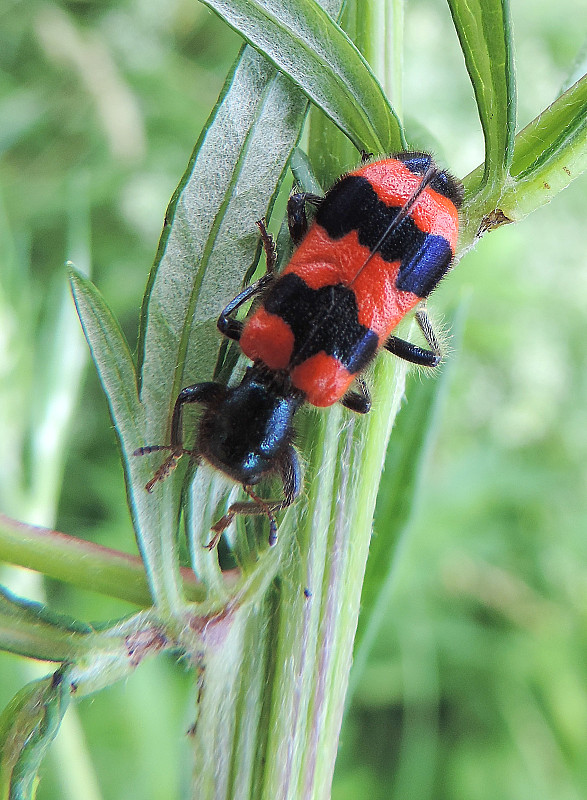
column 245, row 433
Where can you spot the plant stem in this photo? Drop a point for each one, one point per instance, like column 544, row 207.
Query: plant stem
column 277, row 661
column 80, row 563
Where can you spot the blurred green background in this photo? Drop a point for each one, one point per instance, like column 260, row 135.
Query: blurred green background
column 476, row 687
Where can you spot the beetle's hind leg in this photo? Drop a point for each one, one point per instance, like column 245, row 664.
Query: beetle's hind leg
column 412, row 352
column 357, row 401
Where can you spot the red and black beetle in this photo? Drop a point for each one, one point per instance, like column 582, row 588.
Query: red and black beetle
column 381, row 240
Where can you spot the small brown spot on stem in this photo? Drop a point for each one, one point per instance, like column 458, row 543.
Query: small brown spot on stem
column 495, row 219
column 143, row 643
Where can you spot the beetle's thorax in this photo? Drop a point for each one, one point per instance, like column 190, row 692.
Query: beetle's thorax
column 245, row 433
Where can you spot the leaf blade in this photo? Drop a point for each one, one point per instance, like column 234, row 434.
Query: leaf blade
column 549, row 153
column 31, row 630
column 28, row 725
column 154, row 521
column 208, row 229
column 110, row 353
column 485, row 35
column 303, row 41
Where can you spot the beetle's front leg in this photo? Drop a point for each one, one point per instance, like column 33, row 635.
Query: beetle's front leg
column 227, row 325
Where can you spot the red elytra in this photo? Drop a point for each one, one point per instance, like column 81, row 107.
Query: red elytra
column 344, row 256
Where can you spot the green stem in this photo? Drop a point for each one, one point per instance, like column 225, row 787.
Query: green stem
column 81, row 563
column 392, row 77
column 307, row 630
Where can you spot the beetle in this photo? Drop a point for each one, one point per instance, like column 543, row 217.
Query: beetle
column 382, row 239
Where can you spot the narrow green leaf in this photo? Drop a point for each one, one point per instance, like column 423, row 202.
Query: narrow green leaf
column 210, row 243
column 32, row 630
column 211, row 239
column 303, row 41
column 28, row 725
column 155, row 522
column 549, row 153
column 398, row 494
column 303, row 174
column 485, row 33
column 111, row 356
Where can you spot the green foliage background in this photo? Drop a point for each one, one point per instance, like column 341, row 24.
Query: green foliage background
column 476, row 686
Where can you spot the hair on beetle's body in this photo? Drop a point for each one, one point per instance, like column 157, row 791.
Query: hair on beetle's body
column 382, row 239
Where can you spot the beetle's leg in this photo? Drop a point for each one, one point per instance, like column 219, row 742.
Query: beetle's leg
column 296, row 214
column 290, row 473
column 205, row 393
column 413, row 353
column 268, row 246
column 359, row 402
column 233, row 328
column 227, row 325
column 258, row 506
